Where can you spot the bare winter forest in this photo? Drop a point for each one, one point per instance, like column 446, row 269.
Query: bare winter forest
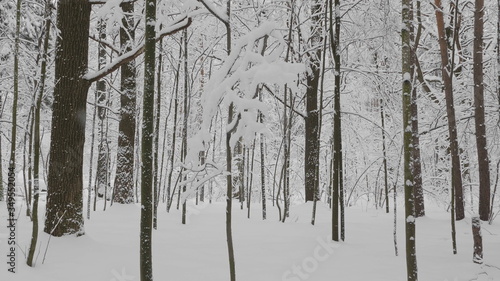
column 249, row 140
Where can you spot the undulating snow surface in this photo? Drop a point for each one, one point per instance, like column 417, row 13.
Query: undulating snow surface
column 265, row 250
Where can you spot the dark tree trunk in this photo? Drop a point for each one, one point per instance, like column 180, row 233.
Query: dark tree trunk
column 311, row 162
column 229, row 179
column 124, row 180
column 262, row 166
column 185, row 118
column 337, row 194
column 482, row 151
column 65, row 178
column 478, row 241
column 416, row 160
column 447, row 74
column 411, row 257
column 146, row 260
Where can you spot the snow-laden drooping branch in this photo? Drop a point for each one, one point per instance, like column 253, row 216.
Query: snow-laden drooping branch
column 220, row 15
column 244, row 71
column 137, row 51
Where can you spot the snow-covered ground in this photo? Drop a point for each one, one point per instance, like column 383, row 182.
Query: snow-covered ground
column 265, row 250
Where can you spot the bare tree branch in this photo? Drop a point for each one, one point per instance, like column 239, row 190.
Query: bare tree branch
column 128, row 56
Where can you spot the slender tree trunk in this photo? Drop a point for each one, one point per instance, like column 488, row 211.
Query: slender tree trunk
column 174, row 133
column 447, row 74
column 251, row 165
column 36, row 137
column 124, row 177
column 286, row 155
column 12, row 161
column 229, row 179
column 185, row 118
column 337, row 127
column 65, row 179
column 1, row 166
column 91, row 162
column 102, row 98
column 384, row 151
column 146, row 262
column 156, row 167
column 262, row 166
column 411, row 258
column 482, row 151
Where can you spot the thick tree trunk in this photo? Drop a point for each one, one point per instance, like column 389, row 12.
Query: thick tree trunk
column 311, row 162
column 124, row 179
column 482, row 151
column 411, row 258
column 65, row 178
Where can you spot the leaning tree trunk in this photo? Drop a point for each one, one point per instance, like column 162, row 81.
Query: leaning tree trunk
column 482, row 151
column 447, row 74
column 415, row 139
column 124, row 179
column 411, row 258
column 65, row 178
